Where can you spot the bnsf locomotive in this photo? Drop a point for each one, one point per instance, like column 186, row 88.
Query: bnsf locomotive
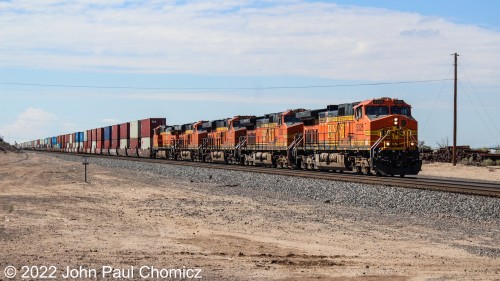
column 374, row 136
column 377, row 136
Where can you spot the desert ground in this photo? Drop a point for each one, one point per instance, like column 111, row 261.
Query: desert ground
column 124, row 218
column 447, row 170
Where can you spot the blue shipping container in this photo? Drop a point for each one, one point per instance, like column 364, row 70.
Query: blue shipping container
column 79, row 137
column 107, row 133
column 54, row 140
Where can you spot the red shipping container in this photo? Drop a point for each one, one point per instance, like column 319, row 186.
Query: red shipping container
column 94, row 134
column 89, row 138
column 115, row 136
column 124, row 130
column 100, row 134
column 147, row 126
column 107, row 144
column 99, row 144
column 134, row 143
column 115, row 132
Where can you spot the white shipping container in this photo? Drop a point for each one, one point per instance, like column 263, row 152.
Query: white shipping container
column 146, row 143
column 124, row 143
column 135, row 129
column 71, row 138
column 85, row 136
column 94, row 144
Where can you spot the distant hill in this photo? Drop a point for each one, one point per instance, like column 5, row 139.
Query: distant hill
column 5, row 146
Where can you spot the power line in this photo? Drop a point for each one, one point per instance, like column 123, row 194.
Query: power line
column 477, row 96
column 478, row 113
column 435, row 102
column 222, row 88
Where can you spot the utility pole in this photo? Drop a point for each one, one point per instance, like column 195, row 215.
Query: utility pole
column 455, row 116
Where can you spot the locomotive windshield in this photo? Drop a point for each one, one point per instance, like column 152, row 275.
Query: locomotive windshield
column 402, row 110
column 377, row 111
column 236, row 124
column 291, row 119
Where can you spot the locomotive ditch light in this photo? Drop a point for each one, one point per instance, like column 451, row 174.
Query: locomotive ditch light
column 412, row 144
column 387, row 143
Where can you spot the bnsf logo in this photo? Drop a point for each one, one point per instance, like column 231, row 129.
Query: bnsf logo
column 360, row 127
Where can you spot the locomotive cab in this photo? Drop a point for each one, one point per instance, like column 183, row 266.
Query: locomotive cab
column 390, row 131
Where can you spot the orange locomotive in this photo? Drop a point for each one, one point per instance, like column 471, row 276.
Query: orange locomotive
column 378, row 135
column 374, row 136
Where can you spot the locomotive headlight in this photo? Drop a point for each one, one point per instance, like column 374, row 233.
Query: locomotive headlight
column 396, row 121
column 412, row 144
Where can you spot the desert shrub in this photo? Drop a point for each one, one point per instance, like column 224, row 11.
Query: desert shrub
column 498, row 162
column 488, row 162
column 466, row 162
column 483, row 149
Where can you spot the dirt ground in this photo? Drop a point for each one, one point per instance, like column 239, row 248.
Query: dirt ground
column 490, row 173
column 123, row 218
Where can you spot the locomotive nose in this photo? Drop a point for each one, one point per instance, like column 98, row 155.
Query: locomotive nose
column 400, row 121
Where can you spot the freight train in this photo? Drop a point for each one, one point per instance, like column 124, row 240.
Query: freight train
column 376, row 136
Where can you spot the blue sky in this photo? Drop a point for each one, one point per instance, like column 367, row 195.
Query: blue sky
column 151, row 60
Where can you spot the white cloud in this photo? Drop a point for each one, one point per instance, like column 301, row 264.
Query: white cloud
column 35, row 123
column 240, row 38
column 225, row 98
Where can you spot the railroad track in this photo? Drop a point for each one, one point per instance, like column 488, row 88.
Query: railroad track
column 447, row 185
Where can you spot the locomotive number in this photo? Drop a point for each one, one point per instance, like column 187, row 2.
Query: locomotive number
column 360, row 127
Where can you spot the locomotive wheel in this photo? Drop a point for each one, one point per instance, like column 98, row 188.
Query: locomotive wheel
column 368, row 171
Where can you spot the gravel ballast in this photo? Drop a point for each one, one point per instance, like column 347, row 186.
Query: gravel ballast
column 405, row 202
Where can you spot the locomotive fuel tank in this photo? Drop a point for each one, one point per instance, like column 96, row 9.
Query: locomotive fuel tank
column 218, row 156
column 330, row 161
column 262, row 158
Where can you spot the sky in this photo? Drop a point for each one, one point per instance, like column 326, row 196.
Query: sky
column 68, row 66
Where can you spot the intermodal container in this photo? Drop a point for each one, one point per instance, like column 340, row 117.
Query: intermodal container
column 124, row 130
column 134, row 143
column 147, row 126
column 115, row 136
column 100, row 134
column 135, row 129
column 107, row 133
column 94, row 135
column 81, row 137
column 124, row 135
column 146, row 143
